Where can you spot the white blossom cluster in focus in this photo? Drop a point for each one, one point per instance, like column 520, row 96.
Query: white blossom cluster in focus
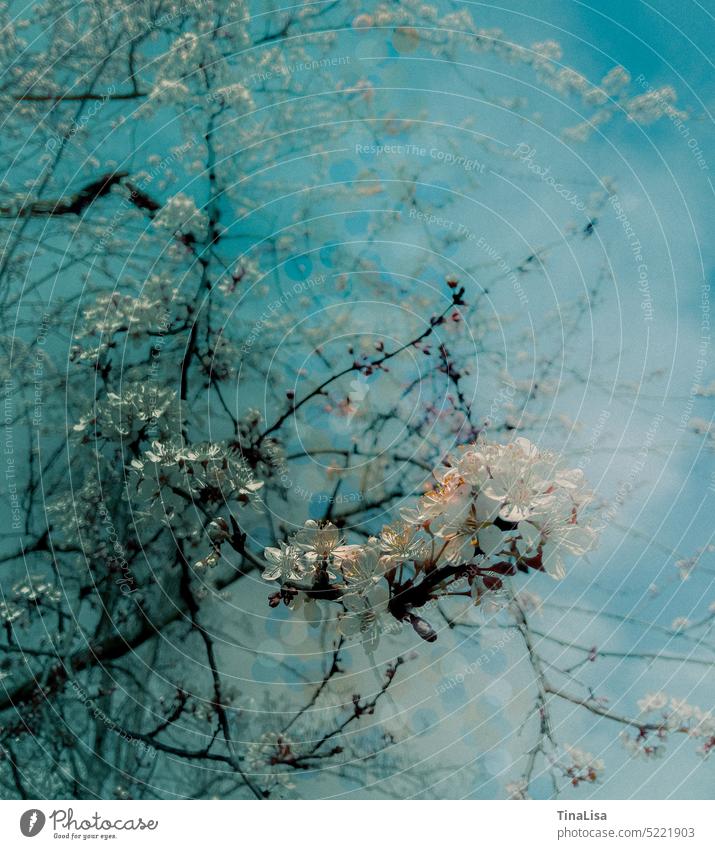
column 497, row 503
column 494, row 510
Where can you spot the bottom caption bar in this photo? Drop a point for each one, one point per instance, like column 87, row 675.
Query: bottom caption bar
column 348, row 824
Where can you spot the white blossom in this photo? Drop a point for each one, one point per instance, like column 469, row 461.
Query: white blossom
column 180, row 216
column 285, row 563
column 318, row 538
column 364, row 614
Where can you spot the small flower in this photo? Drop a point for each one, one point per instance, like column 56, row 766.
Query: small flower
column 555, row 532
column 217, row 530
column 180, row 216
column 9, row 613
column 361, row 566
column 448, row 502
column 653, row 701
column 400, row 542
column 583, row 766
column 284, row 563
column 529, row 539
column 207, row 562
column 520, row 481
column 363, row 616
column 319, row 538
column 474, row 465
column 485, row 544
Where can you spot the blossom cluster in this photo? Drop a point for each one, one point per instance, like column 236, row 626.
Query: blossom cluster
column 168, row 477
column 136, row 314
column 139, row 407
column 25, row 597
column 581, row 766
column 180, row 216
column 512, row 502
column 494, row 510
column 663, row 715
column 574, row 764
column 271, row 759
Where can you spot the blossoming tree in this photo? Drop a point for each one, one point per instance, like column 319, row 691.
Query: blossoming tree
column 259, row 376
